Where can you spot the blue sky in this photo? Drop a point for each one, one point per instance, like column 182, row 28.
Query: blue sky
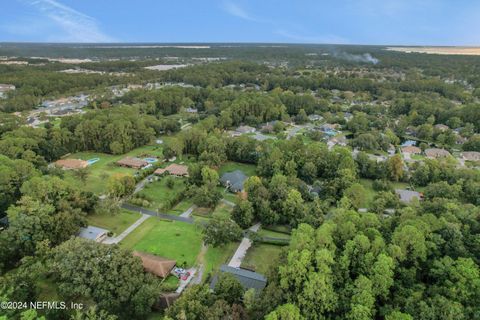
column 406, row 22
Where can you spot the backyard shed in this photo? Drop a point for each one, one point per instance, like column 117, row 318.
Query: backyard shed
column 93, row 233
column 159, row 266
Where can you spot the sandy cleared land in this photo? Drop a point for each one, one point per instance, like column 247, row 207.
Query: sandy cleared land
column 163, row 67
column 471, row 51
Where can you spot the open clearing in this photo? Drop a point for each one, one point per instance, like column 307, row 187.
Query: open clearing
column 261, row 256
column 471, row 51
column 170, row 239
column 116, row 223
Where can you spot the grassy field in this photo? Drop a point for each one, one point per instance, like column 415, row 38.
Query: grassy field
column 222, row 210
column 114, row 223
column 100, row 171
column 260, row 257
column 272, row 234
column 158, row 194
column 170, row 239
column 181, row 207
column 248, row 169
column 215, row 257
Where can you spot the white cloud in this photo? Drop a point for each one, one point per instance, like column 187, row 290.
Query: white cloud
column 237, row 11
column 73, row 26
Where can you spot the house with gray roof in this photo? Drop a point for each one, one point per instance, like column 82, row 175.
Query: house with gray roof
column 234, row 180
column 407, row 196
column 93, row 233
column 248, row 279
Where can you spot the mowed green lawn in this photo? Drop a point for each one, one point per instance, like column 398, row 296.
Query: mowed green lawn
column 261, row 257
column 115, row 223
column 158, row 194
column 248, row 169
column 170, row 239
column 215, row 257
column 100, row 171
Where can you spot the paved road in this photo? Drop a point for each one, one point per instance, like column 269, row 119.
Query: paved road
column 131, row 207
column 127, row 231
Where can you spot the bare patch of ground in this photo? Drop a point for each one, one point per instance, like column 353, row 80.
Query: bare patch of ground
column 472, row 51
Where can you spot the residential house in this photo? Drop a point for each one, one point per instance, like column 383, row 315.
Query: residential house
column 315, row 117
column 441, row 127
column 178, row 170
column 248, row 279
column 407, row 196
column 411, row 150
column 234, row 180
column 191, row 110
column 130, row 162
column 159, row 266
column 245, row 129
column 93, row 233
column 436, row 153
column 71, row 164
column 470, row 155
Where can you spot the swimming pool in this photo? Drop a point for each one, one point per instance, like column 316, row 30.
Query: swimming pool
column 92, row 161
column 151, row 160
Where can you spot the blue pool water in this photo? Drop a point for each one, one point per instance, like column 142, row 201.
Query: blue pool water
column 151, row 160
column 92, row 161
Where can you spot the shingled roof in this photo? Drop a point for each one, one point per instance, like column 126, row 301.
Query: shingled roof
column 234, row 180
column 71, row 164
column 175, row 169
column 154, row 264
column 248, row 279
column 132, row 162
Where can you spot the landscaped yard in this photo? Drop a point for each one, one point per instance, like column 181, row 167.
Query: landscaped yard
column 248, row 169
column 261, row 256
column 100, row 171
column 272, row 234
column 181, row 207
column 222, row 210
column 170, row 239
column 115, row 223
column 215, row 257
column 159, row 194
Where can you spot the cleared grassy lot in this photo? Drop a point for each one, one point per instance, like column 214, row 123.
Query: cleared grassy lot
column 115, row 223
column 261, row 256
column 158, row 194
column 273, row 234
column 215, row 257
column 181, row 207
column 170, row 239
column 248, row 169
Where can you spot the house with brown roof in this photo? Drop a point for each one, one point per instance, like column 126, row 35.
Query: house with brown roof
column 71, row 164
column 470, row 155
column 436, row 153
column 154, row 264
column 441, row 127
column 411, row 150
column 130, row 162
column 174, row 169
